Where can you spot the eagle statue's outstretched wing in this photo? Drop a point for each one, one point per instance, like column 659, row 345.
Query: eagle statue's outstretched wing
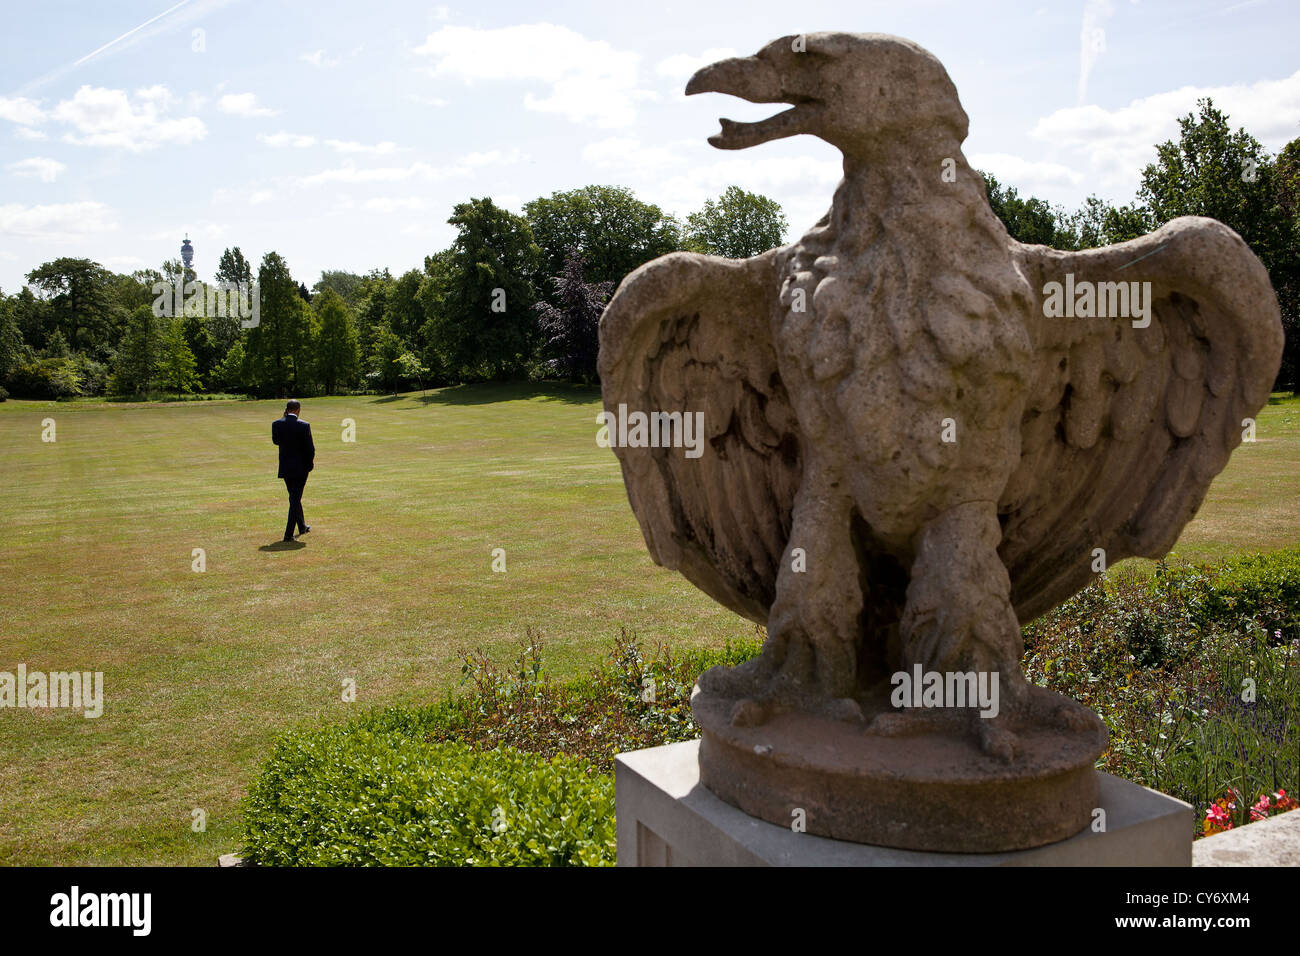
column 1125, row 427
column 692, row 333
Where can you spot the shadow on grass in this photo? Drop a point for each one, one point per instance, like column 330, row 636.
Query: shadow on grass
column 489, row 393
column 283, row 546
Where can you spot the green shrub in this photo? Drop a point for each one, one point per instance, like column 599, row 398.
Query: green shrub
column 46, row 378
column 351, row 796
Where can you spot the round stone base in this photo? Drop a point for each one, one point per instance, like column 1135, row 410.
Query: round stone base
column 932, row 790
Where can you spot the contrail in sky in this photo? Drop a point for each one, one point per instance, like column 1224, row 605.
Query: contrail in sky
column 118, row 40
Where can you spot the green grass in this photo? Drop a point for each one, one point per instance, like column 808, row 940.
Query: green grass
column 391, row 588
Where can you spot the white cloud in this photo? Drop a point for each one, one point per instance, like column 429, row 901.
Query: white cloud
column 123, row 263
column 350, row 146
column 26, row 132
column 21, row 110
column 627, row 154
column 588, row 80
column 303, row 140
column 680, row 66
column 57, row 222
column 318, row 59
column 38, row 167
column 391, row 204
column 243, row 104
column 415, row 171
column 1116, row 144
column 1024, row 174
column 104, row 117
column 281, row 139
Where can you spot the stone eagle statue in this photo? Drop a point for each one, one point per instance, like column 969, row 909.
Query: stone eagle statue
column 919, row 433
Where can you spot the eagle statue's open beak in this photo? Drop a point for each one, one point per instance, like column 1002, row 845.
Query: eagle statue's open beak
column 755, row 79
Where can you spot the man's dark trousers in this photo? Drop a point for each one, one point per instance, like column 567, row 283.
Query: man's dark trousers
column 295, row 486
column 297, row 458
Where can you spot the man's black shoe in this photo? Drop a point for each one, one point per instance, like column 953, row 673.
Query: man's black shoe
column 305, row 530
column 288, row 537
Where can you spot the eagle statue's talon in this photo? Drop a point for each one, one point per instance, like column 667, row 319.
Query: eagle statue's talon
column 995, row 740
column 748, row 712
column 844, row 708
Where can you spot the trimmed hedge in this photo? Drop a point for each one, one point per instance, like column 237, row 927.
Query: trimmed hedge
column 350, row 796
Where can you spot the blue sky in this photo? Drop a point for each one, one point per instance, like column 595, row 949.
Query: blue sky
column 341, row 134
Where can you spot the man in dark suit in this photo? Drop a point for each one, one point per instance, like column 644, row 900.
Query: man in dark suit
column 297, row 458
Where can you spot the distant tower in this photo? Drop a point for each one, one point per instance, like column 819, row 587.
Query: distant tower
column 187, row 252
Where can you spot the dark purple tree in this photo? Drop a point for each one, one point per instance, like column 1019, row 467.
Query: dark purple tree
column 569, row 329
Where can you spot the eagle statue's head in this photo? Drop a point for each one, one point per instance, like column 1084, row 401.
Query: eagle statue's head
column 853, row 90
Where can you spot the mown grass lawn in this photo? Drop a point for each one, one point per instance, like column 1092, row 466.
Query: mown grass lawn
column 393, row 585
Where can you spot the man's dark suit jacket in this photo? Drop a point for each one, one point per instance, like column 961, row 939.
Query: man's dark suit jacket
column 297, row 450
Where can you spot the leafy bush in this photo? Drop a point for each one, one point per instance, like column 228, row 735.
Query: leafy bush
column 353, row 796
column 46, row 378
column 349, row 794
column 1196, row 672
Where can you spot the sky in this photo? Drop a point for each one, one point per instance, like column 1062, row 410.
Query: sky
column 341, row 134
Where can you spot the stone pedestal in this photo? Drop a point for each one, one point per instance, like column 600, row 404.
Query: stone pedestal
column 667, row 818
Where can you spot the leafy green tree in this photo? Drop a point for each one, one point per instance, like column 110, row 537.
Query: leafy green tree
column 385, row 361
column 738, row 225
column 275, row 343
column 34, row 316
column 348, row 285
column 138, row 357
column 1028, row 220
column 199, row 338
column 12, row 350
column 569, row 330
column 233, row 273
column 77, row 291
column 1213, row 171
column 176, row 367
column 484, row 328
column 402, row 311
column 613, row 231
column 337, row 355
column 233, row 268
column 370, row 312
column 231, row 372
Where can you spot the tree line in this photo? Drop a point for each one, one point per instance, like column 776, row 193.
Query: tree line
column 520, row 296
column 514, row 296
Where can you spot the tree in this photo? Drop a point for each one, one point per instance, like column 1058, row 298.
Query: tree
column 77, row 291
column 348, row 285
column 1030, row 220
column 613, row 231
column 12, row 350
column 337, row 357
column 1212, row 171
column 370, row 313
column 233, row 273
column 275, row 343
column 483, row 328
column 569, row 331
column 231, row 371
column 739, row 225
column 402, row 311
column 233, row 268
column 176, row 366
column 385, row 362
column 138, row 357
